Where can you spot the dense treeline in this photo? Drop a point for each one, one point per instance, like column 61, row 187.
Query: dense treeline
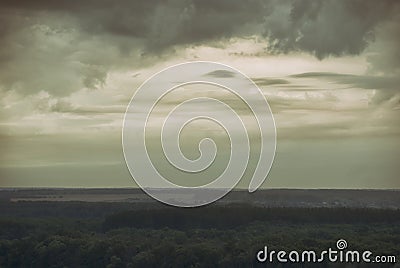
column 212, row 236
column 232, row 216
column 70, row 209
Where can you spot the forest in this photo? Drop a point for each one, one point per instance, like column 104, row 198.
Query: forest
column 79, row 234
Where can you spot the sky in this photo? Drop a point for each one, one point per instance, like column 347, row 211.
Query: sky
column 330, row 71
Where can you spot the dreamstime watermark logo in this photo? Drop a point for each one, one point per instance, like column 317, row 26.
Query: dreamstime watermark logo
column 340, row 254
column 135, row 127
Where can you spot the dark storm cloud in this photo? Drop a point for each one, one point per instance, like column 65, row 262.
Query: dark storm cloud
column 161, row 23
column 327, row 27
column 62, row 46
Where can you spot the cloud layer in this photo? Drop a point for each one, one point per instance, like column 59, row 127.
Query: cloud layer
column 63, row 46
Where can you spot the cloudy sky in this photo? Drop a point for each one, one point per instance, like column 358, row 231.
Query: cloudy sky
column 330, row 71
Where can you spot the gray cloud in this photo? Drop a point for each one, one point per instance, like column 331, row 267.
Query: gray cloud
column 63, row 46
column 221, row 74
column 49, row 54
column 161, row 23
column 329, row 27
column 362, row 81
column 270, row 81
column 60, row 106
column 384, row 54
column 387, row 87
